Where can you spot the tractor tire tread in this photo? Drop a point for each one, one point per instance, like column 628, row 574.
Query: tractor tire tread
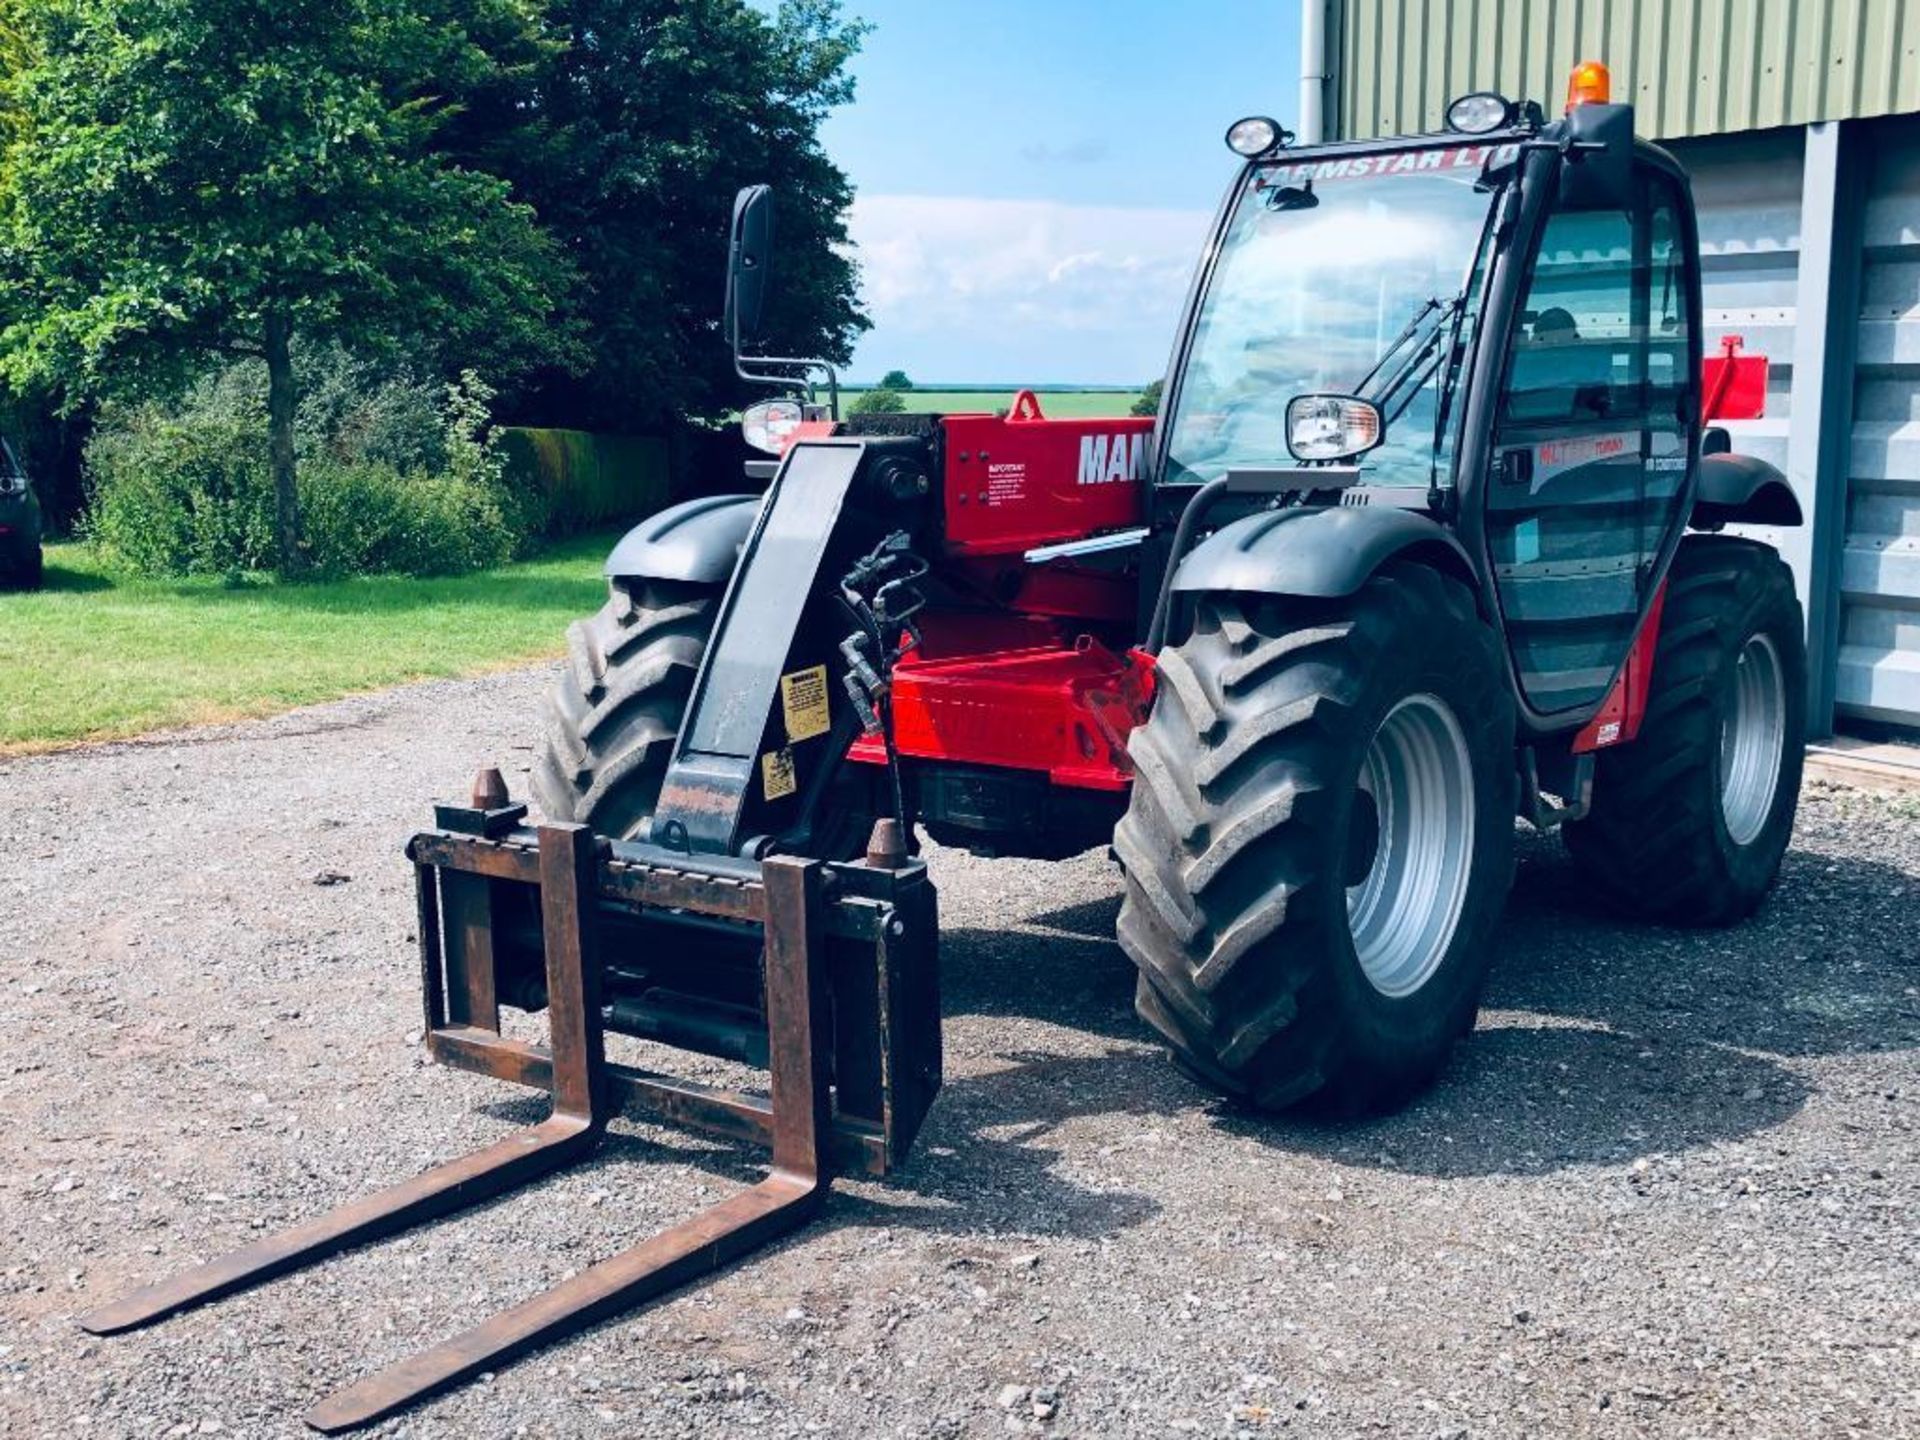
column 1226, row 903
column 1653, row 845
column 611, row 717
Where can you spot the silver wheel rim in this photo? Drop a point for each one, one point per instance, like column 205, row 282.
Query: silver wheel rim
column 1403, row 912
column 1753, row 736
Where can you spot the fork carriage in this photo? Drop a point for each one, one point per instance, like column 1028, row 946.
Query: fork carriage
column 840, row 1006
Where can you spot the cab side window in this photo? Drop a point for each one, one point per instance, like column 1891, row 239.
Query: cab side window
column 1576, row 355
column 1590, row 451
column 1670, row 374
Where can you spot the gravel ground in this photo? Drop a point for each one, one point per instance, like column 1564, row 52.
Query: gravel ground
column 1670, row 1187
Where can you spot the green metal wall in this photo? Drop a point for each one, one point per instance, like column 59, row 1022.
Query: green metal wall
column 1692, row 67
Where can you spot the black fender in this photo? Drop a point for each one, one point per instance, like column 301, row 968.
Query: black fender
column 696, row 540
column 1323, row 552
column 1741, row 490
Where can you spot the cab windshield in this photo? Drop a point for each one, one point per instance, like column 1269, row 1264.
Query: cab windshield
column 1346, row 276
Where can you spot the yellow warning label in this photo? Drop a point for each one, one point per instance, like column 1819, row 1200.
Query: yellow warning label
column 803, row 696
column 776, row 774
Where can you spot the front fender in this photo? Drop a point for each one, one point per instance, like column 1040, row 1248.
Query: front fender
column 1742, row 490
column 696, row 540
column 1324, row 552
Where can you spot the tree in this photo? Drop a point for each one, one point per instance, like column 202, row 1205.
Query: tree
column 198, row 178
column 16, row 51
column 881, row 400
column 895, row 380
column 1148, row 401
column 629, row 141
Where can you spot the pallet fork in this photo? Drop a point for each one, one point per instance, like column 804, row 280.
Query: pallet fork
column 848, row 1029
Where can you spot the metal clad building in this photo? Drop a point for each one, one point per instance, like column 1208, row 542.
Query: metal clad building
column 1797, row 119
column 1699, row 68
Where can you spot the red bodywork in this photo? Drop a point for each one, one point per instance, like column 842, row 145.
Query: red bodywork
column 1733, row 386
column 1021, row 480
column 1037, row 675
column 1618, row 719
column 1064, row 710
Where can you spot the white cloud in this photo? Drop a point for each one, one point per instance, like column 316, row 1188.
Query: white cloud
column 966, row 289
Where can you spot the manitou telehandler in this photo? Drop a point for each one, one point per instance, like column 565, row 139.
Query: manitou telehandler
column 1424, row 538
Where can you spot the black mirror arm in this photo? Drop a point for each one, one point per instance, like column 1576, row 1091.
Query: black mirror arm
column 804, row 368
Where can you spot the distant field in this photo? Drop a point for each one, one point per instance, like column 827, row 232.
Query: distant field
column 1060, row 404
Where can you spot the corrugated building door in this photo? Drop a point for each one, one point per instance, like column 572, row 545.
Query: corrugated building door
column 1879, row 661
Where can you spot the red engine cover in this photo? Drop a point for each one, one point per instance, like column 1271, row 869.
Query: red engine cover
column 1023, row 480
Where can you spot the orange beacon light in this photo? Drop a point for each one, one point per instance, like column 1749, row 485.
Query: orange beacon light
column 1589, row 84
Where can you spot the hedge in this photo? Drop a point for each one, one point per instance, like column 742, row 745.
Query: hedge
column 587, row 478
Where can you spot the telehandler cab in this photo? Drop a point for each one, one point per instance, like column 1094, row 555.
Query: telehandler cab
column 1425, row 537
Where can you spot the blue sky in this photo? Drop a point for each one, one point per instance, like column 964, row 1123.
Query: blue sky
column 1034, row 180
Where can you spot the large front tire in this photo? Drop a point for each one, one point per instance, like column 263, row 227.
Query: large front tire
column 1690, row 820
column 613, row 714
column 1320, row 839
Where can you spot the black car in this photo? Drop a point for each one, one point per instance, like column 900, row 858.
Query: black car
column 20, row 562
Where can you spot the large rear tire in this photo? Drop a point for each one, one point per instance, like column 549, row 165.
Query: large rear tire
column 612, row 716
column 1690, row 820
column 1320, row 839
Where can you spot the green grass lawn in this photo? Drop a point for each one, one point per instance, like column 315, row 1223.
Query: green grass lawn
column 1055, row 404
column 95, row 657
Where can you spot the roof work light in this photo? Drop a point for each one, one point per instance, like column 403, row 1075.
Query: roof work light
column 1256, row 135
column 1589, row 84
column 1480, row 113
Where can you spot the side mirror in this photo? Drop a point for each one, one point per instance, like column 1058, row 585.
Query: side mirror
column 1598, row 175
column 749, row 245
column 1332, row 427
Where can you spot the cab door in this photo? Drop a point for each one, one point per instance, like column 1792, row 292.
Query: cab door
column 1591, row 446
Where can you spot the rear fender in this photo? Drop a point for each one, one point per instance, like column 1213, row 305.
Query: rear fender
column 1323, row 553
column 1741, row 490
column 696, row 540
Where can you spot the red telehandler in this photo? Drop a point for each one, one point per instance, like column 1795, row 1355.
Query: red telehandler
column 1426, row 537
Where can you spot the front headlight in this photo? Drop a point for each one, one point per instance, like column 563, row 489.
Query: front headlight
column 767, row 425
column 1331, row 427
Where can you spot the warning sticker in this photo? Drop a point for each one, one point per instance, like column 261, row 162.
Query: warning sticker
column 776, row 774
column 803, row 696
column 1006, row 482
